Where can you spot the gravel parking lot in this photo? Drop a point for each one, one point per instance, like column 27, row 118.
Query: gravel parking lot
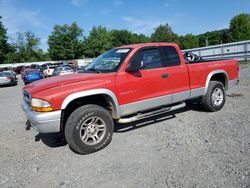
column 189, row 148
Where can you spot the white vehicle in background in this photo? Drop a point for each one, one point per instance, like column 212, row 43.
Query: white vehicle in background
column 12, row 72
column 49, row 69
column 62, row 70
column 7, row 78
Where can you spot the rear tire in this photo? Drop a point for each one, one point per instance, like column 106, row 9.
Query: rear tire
column 88, row 129
column 215, row 97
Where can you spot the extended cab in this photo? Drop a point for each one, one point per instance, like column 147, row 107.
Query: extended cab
column 125, row 84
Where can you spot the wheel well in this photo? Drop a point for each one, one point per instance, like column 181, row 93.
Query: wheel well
column 220, row 77
column 101, row 100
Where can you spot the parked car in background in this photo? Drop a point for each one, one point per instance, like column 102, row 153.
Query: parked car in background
column 31, row 75
column 25, row 68
column 81, row 69
column 62, row 70
column 22, row 72
column 7, row 78
column 33, row 66
column 8, row 68
column 73, row 64
column 12, row 72
column 18, row 69
column 49, row 69
column 3, row 69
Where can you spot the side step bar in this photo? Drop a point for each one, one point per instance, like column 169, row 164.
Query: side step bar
column 152, row 113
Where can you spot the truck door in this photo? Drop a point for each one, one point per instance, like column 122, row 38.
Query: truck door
column 142, row 89
column 177, row 82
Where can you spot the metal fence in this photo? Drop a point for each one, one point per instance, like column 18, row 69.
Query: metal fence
column 236, row 50
column 80, row 62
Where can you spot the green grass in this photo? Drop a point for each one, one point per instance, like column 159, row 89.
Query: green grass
column 244, row 62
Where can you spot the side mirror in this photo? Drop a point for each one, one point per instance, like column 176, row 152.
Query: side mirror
column 134, row 65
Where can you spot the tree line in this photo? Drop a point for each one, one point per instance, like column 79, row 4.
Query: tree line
column 67, row 42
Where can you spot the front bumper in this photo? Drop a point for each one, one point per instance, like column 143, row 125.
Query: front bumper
column 43, row 122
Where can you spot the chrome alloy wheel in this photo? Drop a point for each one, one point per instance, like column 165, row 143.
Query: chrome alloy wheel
column 217, row 97
column 92, row 130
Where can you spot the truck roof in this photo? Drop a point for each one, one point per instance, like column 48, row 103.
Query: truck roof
column 148, row 44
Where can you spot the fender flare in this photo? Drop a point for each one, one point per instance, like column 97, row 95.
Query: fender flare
column 211, row 74
column 87, row 93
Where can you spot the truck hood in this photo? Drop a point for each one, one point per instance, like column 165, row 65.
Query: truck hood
column 52, row 82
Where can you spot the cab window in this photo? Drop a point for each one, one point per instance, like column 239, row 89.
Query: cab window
column 150, row 57
column 170, row 56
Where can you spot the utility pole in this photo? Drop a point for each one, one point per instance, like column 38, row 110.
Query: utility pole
column 207, row 41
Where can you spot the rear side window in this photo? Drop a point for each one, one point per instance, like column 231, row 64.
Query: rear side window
column 67, row 68
column 151, row 58
column 170, row 56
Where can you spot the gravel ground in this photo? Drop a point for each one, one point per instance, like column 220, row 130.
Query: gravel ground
column 190, row 148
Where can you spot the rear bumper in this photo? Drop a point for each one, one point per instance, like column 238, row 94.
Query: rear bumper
column 43, row 122
column 7, row 82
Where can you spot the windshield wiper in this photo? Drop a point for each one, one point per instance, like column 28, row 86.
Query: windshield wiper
column 93, row 70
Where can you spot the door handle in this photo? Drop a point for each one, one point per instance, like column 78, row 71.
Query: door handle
column 164, row 75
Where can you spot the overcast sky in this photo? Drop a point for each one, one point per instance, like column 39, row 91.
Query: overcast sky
column 140, row 16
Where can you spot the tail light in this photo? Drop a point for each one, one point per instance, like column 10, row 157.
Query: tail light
column 10, row 77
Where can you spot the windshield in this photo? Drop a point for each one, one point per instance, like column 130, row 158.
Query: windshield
column 4, row 74
column 108, row 61
column 32, row 71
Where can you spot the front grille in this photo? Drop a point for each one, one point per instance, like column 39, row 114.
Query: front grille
column 26, row 97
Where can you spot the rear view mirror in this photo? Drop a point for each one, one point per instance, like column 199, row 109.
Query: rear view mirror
column 134, row 65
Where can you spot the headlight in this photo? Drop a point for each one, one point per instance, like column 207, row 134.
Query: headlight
column 40, row 105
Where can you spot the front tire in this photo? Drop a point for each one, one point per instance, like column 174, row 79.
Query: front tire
column 215, row 97
column 88, row 129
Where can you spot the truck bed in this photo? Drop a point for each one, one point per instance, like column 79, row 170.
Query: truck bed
column 200, row 71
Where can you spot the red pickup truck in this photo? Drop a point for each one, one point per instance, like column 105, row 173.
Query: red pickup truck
column 125, row 84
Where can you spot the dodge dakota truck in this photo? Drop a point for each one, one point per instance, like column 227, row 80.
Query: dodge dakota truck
column 125, row 84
